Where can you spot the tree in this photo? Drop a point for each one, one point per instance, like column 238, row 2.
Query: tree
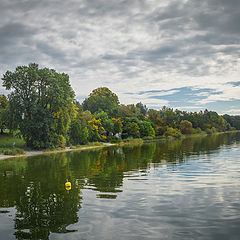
column 78, row 133
column 41, row 104
column 186, row 127
column 131, row 129
column 146, row 129
column 169, row 116
column 117, row 125
column 172, row 132
column 143, row 108
column 106, row 122
column 96, row 130
column 3, row 112
column 102, row 99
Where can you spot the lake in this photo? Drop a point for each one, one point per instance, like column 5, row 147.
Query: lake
column 183, row 189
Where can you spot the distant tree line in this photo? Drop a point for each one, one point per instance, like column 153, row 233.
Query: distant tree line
column 42, row 107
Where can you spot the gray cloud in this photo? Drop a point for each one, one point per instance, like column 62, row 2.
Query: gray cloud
column 139, row 44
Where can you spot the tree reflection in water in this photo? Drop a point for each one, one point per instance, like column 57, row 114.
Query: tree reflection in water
column 35, row 186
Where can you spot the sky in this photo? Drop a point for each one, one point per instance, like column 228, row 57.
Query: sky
column 184, row 54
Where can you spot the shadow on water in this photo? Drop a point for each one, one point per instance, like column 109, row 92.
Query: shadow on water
column 35, row 186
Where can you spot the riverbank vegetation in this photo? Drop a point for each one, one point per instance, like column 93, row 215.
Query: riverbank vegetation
column 42, row 108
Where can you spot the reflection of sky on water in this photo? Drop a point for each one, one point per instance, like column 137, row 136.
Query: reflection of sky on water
column 195, row 200
column 177, row 190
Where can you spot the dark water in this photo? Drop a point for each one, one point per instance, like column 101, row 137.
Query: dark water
column 188, row 189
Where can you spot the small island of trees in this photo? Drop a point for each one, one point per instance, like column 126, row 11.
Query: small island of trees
column 42, row 109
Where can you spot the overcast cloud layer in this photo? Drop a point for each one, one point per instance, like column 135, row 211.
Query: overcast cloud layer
column 179, row 53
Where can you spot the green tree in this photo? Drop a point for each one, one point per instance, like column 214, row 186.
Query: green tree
column 107, row 123
column 117, row 125
column 41, row 103
column 78, row 133
column 186, row 127
column 131, row 129
column 143, row 108
column 3, row 112
column 96, row 130
column 146, row 129
column 102, row 99
column 169, row 117
column 172, row 132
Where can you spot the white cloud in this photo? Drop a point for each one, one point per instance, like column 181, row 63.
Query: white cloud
column 128, row 46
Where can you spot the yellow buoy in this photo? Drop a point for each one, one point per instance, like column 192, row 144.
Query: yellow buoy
column 68, row 186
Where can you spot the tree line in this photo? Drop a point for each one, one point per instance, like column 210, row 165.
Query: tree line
column 42, row 107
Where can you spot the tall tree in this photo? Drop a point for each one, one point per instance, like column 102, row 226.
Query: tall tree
column 40, row 102
column 3, row 112
column 102, row 99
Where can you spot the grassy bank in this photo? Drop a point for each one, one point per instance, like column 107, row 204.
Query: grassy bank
column 11, row 145
column 6, row 144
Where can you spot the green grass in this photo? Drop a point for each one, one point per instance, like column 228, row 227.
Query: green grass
column 6, row 141
column 94, row 144
column 13, row 151
column 6, row 145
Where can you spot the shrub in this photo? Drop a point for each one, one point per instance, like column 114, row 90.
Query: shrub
column 148, row 138
column 186, row 127
column 14, row 151
column 211, row 130
column 58, row 141
column 172, row 132
column 146, row 129
column 77, row 133
column 197, row 130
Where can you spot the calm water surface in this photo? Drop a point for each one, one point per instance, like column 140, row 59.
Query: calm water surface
column 186, row 189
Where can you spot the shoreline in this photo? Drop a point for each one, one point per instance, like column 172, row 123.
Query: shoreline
column 68, row 149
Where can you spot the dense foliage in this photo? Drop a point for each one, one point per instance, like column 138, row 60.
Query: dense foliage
column 41, row 105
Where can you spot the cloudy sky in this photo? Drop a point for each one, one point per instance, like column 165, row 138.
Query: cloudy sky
column 183, row 54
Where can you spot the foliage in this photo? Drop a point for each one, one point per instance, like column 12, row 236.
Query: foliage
column 13, row 151
column 102, row 99
column 172, row 132
column 3, row 112
column 117, row 125
column 186, row 127
column 131, row 129
column 41, row 104
column 143, row 108
column 211, row 130
column 96, row 130
column 78, row 133
column 57, row 140
column 3, row 101
column 106, row 122
column 233, row 121
column 7, row 140
column 146, row 129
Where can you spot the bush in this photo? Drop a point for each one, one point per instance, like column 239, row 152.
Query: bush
column 6, row 141
column 132, row 140
column 146, row 129
column 131, row 129
column 197, row 130
column 115, row 139
column 94, row 144
column 13, row 151
column 148, row 138
column 58, row 141
column 172, row 132
column 186, row 127
column 211, row 130
column 160, row 130
column 77, row 133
